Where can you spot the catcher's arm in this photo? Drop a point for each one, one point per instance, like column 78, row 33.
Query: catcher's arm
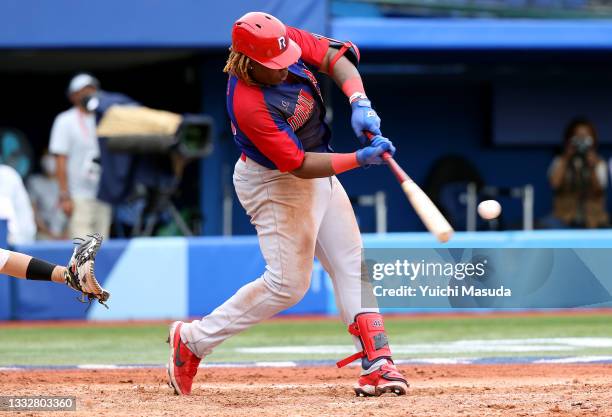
column 80, row 274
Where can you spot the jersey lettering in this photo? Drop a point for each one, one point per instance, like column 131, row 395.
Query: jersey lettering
column 303, row 110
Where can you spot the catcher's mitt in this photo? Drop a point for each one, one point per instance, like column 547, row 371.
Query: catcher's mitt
column 80, row 274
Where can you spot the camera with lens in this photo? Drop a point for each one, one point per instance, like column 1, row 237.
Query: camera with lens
column 144, row 152
column 582, row 144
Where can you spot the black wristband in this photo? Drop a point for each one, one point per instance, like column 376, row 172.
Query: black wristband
column 39, row 270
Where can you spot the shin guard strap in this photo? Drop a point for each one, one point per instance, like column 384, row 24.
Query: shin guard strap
column 353, row 357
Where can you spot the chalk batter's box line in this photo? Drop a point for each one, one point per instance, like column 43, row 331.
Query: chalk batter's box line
column 311, row 363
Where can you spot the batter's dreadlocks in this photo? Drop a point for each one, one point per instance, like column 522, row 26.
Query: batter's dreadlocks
column 238, row 64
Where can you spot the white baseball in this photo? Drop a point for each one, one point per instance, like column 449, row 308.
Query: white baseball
column 489, row 209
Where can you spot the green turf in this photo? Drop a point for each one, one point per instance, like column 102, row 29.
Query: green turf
column 144, row 344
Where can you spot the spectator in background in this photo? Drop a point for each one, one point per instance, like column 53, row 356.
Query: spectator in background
column 15, row 207
column 579, row 178
column 44, row 192
column 75, row 144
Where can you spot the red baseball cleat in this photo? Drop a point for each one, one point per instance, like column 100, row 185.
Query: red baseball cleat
column 183, row 364
column 386, row 379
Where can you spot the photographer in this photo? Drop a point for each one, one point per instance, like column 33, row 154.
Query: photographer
column 578, row 178
column 75, row 145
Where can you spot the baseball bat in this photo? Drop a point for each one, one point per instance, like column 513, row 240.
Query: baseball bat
column 427, row 211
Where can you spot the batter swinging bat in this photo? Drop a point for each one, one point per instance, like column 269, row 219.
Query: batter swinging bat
column 429, row 214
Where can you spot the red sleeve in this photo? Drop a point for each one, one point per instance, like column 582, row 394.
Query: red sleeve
column 267, row 130
column 313, row 48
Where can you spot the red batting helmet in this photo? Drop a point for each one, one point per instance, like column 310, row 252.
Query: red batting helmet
column 263, row 38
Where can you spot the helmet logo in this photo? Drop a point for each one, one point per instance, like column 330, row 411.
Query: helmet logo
column 282, row 43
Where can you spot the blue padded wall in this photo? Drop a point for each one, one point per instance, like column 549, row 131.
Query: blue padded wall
column 5, row 282
column 164, row 278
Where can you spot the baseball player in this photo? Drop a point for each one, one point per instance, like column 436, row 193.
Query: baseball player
column 286, row 181
column 78, row 275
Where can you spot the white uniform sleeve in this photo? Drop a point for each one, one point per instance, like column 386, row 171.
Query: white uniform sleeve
column 25, row 214
column 59, row 144
column 601, row 170
column 17, row 208
column 4, row 254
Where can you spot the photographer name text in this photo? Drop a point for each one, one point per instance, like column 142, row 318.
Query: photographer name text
column 441, row 291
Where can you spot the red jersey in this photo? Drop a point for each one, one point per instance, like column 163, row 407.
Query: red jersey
column 275, row 125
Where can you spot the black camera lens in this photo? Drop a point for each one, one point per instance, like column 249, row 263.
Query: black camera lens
column 582, row 144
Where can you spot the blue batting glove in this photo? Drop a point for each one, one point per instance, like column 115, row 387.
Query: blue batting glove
column 372, row 155
column 383, row 142
column 364, row 117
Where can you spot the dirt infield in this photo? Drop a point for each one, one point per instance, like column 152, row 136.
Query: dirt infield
column 437, row 390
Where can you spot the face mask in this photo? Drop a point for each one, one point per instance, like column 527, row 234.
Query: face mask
column 90, row 103
column 47, row 163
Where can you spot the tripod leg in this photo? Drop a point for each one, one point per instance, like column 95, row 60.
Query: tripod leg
column 137, row 228
column 150, row 225
column 180, row 223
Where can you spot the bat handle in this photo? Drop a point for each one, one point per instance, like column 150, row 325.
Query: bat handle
column 385, row 156
column 369, row 134
column 399, row 173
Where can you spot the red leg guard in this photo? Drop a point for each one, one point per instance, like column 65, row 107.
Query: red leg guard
column 370, row 329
